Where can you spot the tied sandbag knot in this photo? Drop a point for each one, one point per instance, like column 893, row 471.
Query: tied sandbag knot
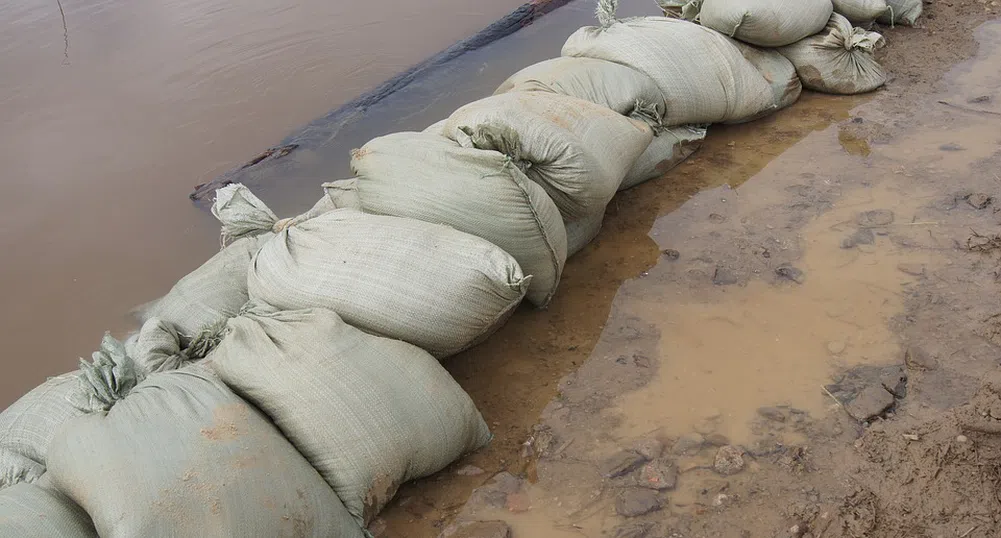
column 683, row 9
column 605, row 12
column 862, row 39
column 206, row 340
column 242, row 214
column 496, row 137
column 108, row 378
column 650, row 113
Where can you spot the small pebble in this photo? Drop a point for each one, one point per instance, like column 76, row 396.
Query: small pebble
column 836, row 347
column 962, row 439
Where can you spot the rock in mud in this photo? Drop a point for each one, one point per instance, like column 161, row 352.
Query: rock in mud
column 979, row 200
column 495, row 492
column 671, row 254
column 789, row 272
column 622, row 463
column 917, row 358
column 772, row 413
column 650, row 449
column 869, row 403
column 729, row 460
column 913, row 269
column 979, row 99
column 717, row 439
column 688, row 444
column 658, row 475
column 634, row 530
column 859, row 237
column 836, row 347
column 894, row 380
column 477, row 529
column 633, row 502
column 874, row 218
column 724, row 277
column 470, row 470
column 952, row 146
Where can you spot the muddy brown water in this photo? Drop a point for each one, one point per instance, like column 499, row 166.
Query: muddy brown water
column 111, row 111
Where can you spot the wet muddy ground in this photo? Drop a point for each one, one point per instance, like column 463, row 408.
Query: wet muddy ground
column 795, row 333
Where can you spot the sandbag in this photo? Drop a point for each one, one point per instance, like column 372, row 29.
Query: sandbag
column 210, row 294
column 701, row 73
column 612, row 85
column 578, row 151
column 778, row 71
column 39, row 511
column 181, row 455
column 838, row 60
column 438, row 288
column 434, row 179
column 767, row 23
column 368, row 413
column 904, row 12
column 669, row 148
column 582, row 231
column 28, row 426
column 860, row 11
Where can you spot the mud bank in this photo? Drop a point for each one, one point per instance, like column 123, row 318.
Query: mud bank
column 764, row 297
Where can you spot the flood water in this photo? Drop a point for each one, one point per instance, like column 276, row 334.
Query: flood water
column 111, row 111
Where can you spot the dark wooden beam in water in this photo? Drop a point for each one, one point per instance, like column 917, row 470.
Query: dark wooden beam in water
column 321, row 127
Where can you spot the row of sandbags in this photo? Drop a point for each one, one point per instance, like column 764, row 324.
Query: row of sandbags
column 307, row 348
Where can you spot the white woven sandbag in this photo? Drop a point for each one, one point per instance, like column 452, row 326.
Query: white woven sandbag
column 210, row 294
column 582, row 231
column 181, row 455
column 29, row 424
column 615, row 86
column 428, row 284
column 701, row 73
column 766, row 23
column 39, row 511
column 576, row 150
column 861, row 11
column 434, row 179
column 669, row 148
column 838, row 60
column 778, row 71
column 904, row 12
column 368, row 413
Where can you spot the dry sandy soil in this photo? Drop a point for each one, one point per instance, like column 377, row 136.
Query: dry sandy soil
column 795, row 333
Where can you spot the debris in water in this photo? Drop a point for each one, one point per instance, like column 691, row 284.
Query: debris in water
column 978, row 200
column 860, row 237
column 789, row 272
column 633, row 502
column 724, row 277
column 729, row 460
column 874, row 218
column 951, row 147
column 917, row 358
column 671, row 254
column 983, row 243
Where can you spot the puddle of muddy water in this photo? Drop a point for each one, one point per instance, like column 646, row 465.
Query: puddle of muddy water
column 726, row 350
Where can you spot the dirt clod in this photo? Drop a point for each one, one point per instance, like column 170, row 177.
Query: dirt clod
column 951, row 147
column 622, row 463
column 870, row 403
column 634, row 530
column 859, row 237
column 789, row 272
column 913, row 269
column 874, row 218
column 688, row 444
column 671, row 254
column 633, row 502
column 729, row 460
column 979, row 200
column 659, row 475
column 917, row 358
column 725, row 277
column 649, row 448
column 772, row 413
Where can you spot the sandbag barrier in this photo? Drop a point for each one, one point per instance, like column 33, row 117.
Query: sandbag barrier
column 291, row 383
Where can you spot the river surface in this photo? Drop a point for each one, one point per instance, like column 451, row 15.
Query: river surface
column 111, row 111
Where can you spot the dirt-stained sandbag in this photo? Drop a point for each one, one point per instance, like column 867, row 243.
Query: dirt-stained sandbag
column 701, row 73
column 861, row 11
column 904, row 12
column 778, row 71
column 181, row 455
column 480, row 192
column 766, row 23
column 210, row 294
column 613, row 85
column 578, row 151
column 40, row 511
column 838, row 60
column 669, row 148
column 369, row 413
column 582, row 231
column 428, row 284
column 29, row 424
